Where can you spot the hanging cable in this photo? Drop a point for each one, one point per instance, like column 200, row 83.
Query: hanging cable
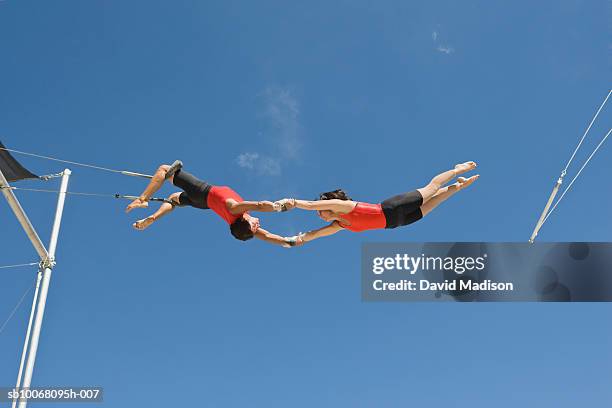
column 119, row 196
column 8, row 319
column 551, row 199
column 91, row 166
column 20, row 265
column 577, row 175
column 585, row 133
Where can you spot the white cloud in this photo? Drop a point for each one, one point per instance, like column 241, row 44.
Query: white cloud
column 262, row 165
column 247, row 160
column 269, row 166
column 445, row 49
column 281, row 112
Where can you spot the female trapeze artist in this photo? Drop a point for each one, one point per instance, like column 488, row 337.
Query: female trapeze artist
column 343, row 213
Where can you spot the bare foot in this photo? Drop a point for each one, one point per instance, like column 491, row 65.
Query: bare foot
column 144, row 223
column 137, row 203
column 465, row 167
column 463, row 182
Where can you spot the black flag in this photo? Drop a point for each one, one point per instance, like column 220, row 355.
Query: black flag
column 12, row 170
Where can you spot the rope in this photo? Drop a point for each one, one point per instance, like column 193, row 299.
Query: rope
column 8, row 319
column 577, row 175
column 40, row 190
column 20, row 265
column 91, row 166
column 585, row 133
column 546, row 213
column 120, row 196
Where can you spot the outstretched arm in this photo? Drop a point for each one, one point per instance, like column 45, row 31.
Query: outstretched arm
column 236, row 207
column 321, row 232
column 273, row 238
column 341, row 206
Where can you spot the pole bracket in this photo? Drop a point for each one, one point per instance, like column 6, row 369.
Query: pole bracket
column 48, row 177
column 47, row 263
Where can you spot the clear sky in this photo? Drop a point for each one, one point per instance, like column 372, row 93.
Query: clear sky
column 275, row 99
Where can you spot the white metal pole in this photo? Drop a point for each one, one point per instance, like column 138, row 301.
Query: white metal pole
column 544, row 214
column 44, row 288
column 24, row 353
column 58, row 213
column 23, row 218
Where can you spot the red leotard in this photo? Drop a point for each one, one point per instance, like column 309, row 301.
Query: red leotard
column 217, row 197
column 364, row 217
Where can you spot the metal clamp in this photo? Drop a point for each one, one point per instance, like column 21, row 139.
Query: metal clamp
column 47, row 263
column 48, row 177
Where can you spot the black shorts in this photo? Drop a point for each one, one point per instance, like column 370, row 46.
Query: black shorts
column 403, row 209
column 195, row 191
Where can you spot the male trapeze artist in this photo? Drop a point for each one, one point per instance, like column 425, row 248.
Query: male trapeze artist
column 224, row 201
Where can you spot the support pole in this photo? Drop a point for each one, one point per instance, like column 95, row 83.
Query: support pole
column 23, row 218
column 44, row 287
column 534, row 234
column 24, row 353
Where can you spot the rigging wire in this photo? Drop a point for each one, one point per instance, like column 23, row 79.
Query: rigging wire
column 547, row 209
column 91, row 166
column 20, row 265
column 8, row 319
column 586, row 132
column 120, row 196
column 576, row 176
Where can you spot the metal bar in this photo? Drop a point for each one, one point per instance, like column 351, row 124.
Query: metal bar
column 61, row 199
column 44, row 288
column 23, row 218
column 131, row 197
column 27, row 338
column 134, row 174
column 544, row 214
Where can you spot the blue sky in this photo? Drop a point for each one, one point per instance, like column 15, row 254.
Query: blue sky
column 290, row 99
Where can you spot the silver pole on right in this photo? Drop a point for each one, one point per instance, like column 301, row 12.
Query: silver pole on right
column 544, row 214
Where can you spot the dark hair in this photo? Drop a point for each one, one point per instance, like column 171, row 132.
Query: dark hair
column 241, row 229
column 338, row 194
